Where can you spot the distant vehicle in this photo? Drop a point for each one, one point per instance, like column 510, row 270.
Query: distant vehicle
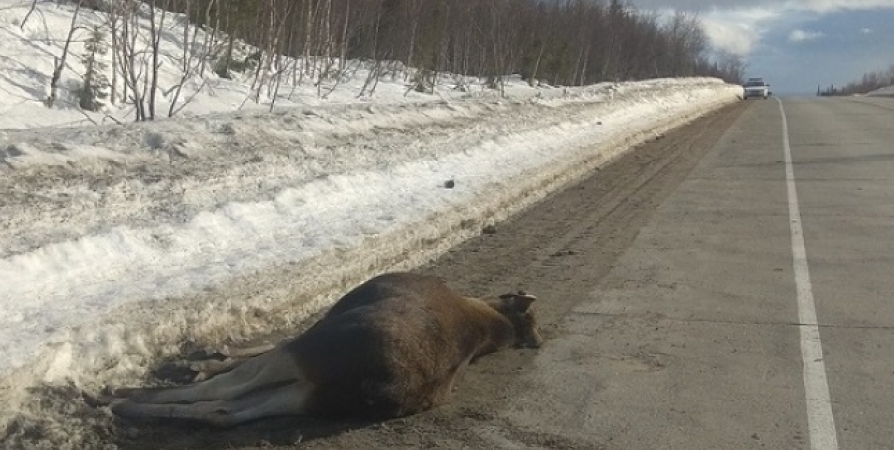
column 756, row 87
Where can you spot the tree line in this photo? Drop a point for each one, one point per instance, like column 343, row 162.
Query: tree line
column 557, row 42
column 562, row 42
column 868, row 82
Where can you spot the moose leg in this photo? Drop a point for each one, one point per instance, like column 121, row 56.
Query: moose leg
column 445, row 389
column 288, row 399
column 207, row 369
column 255, row 373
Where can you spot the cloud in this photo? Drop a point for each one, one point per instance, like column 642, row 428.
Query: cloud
column 828, row 6
column 773, row 37
column 737, row 31
column 819, row 6
column 801, row 35
column 743, row 28
column 736, row 38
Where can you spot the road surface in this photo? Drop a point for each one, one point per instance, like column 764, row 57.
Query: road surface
column 684, row 292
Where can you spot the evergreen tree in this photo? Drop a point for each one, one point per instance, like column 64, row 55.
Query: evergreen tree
column 95, row 81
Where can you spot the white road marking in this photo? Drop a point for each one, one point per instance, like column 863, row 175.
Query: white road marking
column 819, row 406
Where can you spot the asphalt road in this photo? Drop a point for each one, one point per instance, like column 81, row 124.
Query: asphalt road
column 843, row 161
column 694, row 339
column 674, row 303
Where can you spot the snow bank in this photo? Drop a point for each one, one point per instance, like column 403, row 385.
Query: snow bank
column 887, row 91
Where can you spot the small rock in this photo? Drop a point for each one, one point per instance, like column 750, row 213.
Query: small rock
column 449, row 184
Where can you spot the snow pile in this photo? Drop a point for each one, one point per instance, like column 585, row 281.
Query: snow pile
column 887, row 91
column 122, row 242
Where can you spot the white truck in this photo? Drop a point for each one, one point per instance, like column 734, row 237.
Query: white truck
column 756, row 87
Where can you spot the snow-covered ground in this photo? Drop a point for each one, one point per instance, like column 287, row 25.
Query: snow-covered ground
column 118, row 243
column 882, row 92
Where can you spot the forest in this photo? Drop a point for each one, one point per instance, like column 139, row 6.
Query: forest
column 570, row 42
column 559, row 43
column 868, row 82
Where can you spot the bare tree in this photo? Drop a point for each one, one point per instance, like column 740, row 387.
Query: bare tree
column 60, row 61
column 155, row 40
column 114, row 23
column 193, row 59
column 28, row 14
column 209, row 37
column 128, row 60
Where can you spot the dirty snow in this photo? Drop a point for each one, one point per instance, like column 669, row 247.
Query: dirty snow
column 120, row 242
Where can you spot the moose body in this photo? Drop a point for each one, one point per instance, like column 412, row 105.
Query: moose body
column 393, row 346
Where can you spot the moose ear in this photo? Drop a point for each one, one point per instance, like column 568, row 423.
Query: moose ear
column 520, row 302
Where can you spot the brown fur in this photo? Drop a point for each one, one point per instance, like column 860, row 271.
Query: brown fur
column 393, row 346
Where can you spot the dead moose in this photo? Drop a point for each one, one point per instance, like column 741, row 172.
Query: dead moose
column 393, row 346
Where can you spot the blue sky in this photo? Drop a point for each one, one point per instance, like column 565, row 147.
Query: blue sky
column 797, row 44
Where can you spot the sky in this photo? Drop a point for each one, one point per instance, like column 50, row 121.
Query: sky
column 797, row 45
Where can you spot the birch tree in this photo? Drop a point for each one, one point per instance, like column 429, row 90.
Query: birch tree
column 60, row 61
